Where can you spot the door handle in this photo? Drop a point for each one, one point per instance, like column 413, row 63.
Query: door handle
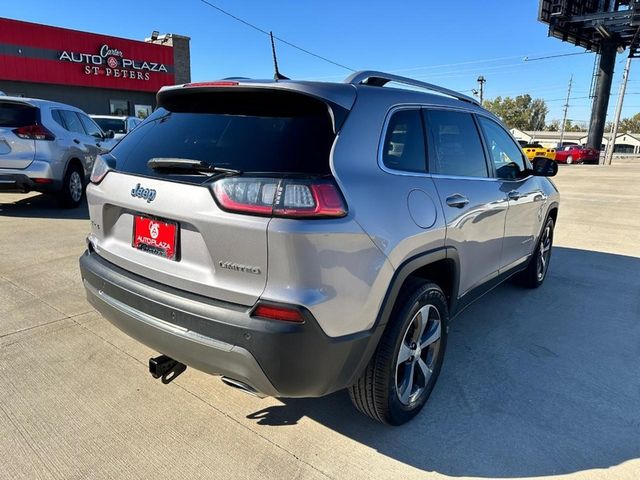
column 457, row 201
column 540, row 197
column 514, row 195
column 76, row 140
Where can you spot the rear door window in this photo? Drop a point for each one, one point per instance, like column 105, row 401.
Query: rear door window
column 404, row 147
column 455, row 146
column 17, row 114
column 297, row 143
column 72, row 121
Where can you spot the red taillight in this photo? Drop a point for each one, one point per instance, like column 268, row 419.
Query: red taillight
column 212, row 84
column 288, row 197
column 34, row 132
column 276, row 312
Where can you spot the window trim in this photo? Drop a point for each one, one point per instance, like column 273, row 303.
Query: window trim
column 385, row 127
column 492, row 168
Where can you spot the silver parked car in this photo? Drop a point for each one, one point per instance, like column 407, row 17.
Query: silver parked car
column 47, row 147
column 119, row 125
column 299, row 238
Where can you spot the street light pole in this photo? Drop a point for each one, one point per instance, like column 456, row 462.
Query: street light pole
column 481, row 81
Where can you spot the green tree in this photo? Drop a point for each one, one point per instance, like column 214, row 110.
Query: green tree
column 569, row 126
column 631, row 125
column 554, row 126
column 522, row 112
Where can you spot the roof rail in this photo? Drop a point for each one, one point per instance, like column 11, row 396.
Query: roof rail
column 379, row 79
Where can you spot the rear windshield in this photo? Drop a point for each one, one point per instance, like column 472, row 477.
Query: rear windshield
column 276, row 141
column 115, row 124
column 17, row 114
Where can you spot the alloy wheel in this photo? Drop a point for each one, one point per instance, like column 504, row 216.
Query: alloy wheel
column 544, row 253
column 418, row 354
column 75, row 186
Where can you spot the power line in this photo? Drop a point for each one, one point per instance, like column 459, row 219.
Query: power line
column 527, row 59
column 251, row 25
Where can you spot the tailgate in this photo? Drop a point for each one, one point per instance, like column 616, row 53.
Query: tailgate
column 218, row 254
column 15, row 152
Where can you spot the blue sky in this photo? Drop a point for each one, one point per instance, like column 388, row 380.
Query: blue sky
column 448, row 43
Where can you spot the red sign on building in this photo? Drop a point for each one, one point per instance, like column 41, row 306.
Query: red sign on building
column 42, row 54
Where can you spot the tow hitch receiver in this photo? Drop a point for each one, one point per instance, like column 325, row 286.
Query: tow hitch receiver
column 165, row 368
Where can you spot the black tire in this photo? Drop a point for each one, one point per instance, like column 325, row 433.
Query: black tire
column 377, row 393
column 68, row 196
column 531, row 277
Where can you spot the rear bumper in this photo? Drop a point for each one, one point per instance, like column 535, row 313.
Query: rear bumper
column 275, row 358
column 14, row 180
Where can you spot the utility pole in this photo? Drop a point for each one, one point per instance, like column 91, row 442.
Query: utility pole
column 616, row 119
column 566, row 108
column 481, row 81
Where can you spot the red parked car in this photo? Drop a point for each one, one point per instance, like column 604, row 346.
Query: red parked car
column 577, row 154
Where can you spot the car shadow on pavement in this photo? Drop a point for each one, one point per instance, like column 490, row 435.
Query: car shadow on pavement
column 535, row 382
column 40, row 206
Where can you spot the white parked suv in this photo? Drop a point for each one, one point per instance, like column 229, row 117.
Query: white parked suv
column 119, row 125
column 47, row 147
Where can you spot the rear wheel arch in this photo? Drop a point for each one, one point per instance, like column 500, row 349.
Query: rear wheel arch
column 439, row 266
column 74, row 161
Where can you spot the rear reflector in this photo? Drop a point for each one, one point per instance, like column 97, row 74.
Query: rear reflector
column 42, row 181
column 274, row 312
column 34, row 132
column 281, row 197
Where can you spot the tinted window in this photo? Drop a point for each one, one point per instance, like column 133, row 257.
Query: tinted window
column 455, row 144
column 57, row 117
column 72, row 121
column 403, row 147
column 505, row 154
column 298, row 143
column 17, row 114
column 114, row 124
column 90, row 126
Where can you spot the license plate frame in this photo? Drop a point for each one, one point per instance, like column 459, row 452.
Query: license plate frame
column 165, row 242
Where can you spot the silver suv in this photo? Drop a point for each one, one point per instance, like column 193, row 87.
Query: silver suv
column 299, row 238
column 47, row 147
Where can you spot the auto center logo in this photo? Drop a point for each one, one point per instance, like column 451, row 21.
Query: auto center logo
column 111, row 62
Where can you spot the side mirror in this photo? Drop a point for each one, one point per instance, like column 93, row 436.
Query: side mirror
column 109, row 134
column 544, row 167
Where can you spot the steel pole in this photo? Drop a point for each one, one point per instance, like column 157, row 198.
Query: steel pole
column 603, row 90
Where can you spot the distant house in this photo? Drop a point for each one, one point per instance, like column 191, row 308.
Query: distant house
column 625, row 142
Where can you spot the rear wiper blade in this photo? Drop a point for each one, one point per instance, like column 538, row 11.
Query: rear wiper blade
column 188, row 165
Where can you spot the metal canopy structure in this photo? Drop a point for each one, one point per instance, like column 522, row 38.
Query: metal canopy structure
column 590, row 23
column 604, row 27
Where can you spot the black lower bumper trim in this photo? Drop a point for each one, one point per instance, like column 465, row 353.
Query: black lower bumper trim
column 291, row 360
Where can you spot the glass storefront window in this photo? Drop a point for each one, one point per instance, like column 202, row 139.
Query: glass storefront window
column 142, row 111
column 119, row 107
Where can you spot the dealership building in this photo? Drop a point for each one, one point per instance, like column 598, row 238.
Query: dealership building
column 98, row 73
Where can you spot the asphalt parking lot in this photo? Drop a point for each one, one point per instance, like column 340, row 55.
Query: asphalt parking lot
column 535, row 383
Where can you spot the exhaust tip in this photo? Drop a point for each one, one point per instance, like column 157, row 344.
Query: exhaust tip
column 242, row 386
